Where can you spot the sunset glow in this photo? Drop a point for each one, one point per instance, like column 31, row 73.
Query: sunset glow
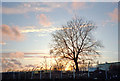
column 27, row 27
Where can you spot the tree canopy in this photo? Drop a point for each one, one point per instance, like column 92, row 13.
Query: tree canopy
column 75, row 41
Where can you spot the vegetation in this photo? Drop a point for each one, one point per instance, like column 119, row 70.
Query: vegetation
column 75, row 42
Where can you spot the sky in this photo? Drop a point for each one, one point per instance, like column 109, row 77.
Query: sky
column 26, row 29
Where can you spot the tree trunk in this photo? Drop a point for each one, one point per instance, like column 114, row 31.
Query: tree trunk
column 76, row 65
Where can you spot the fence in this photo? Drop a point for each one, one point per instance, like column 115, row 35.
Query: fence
column 41, row 75
column 54, row 75
column 58, row 74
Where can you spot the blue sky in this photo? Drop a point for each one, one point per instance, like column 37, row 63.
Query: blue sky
column 30, row 26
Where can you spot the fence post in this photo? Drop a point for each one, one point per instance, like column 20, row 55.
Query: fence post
column 25, row 74
column 13, row 75
column 19, row 76
column 61, row 71
column 32, row 75
column 50, row 72
column 106, row 70
column 73, row 73
column 88, row 70
column 40, row 74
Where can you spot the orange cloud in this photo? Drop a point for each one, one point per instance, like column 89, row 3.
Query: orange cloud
column 12, row 33
column 43, row 20
column 114, row 15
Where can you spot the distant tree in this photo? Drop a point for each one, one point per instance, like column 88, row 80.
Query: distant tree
column 44, row 64
column 59, row 64
column 75, row 41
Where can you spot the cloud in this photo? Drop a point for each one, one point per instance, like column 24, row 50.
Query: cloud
column 43, row 31
column 114, row 15
column 78, row 5
column 38, row 56
column 75, row 6
column 13, row 55
column 105, row 22
column 3, row 43
column 11, row 33
column 15, row 10
column 43, row 20
column 40, row 51
column 29, row 7
column 30, row 65
column 32, row 30
column 24, row 8
column 34, row 53
column 41, row 35
column 15, row 65
column 12, row 60
column 16, row 61
column 17, row 55
column 12, row 64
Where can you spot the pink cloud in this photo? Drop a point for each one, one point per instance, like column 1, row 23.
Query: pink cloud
column 13, row 11
column 31, row 56
column 17, row 55
column 13, row 55
column 22, row 55
column 114, row 15
column 12, row 33
column 43, row 20
column 34, row 53
column 27, row 7
column 3, row 43
column 12, row 64
column 78, row 5
column 30, row 65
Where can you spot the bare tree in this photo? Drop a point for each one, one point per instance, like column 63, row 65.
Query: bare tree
column 59, row 64
column 44, row 64
column 75, row 41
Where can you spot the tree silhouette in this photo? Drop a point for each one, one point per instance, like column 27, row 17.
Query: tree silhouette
column 75, row 41
column 59, row 64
